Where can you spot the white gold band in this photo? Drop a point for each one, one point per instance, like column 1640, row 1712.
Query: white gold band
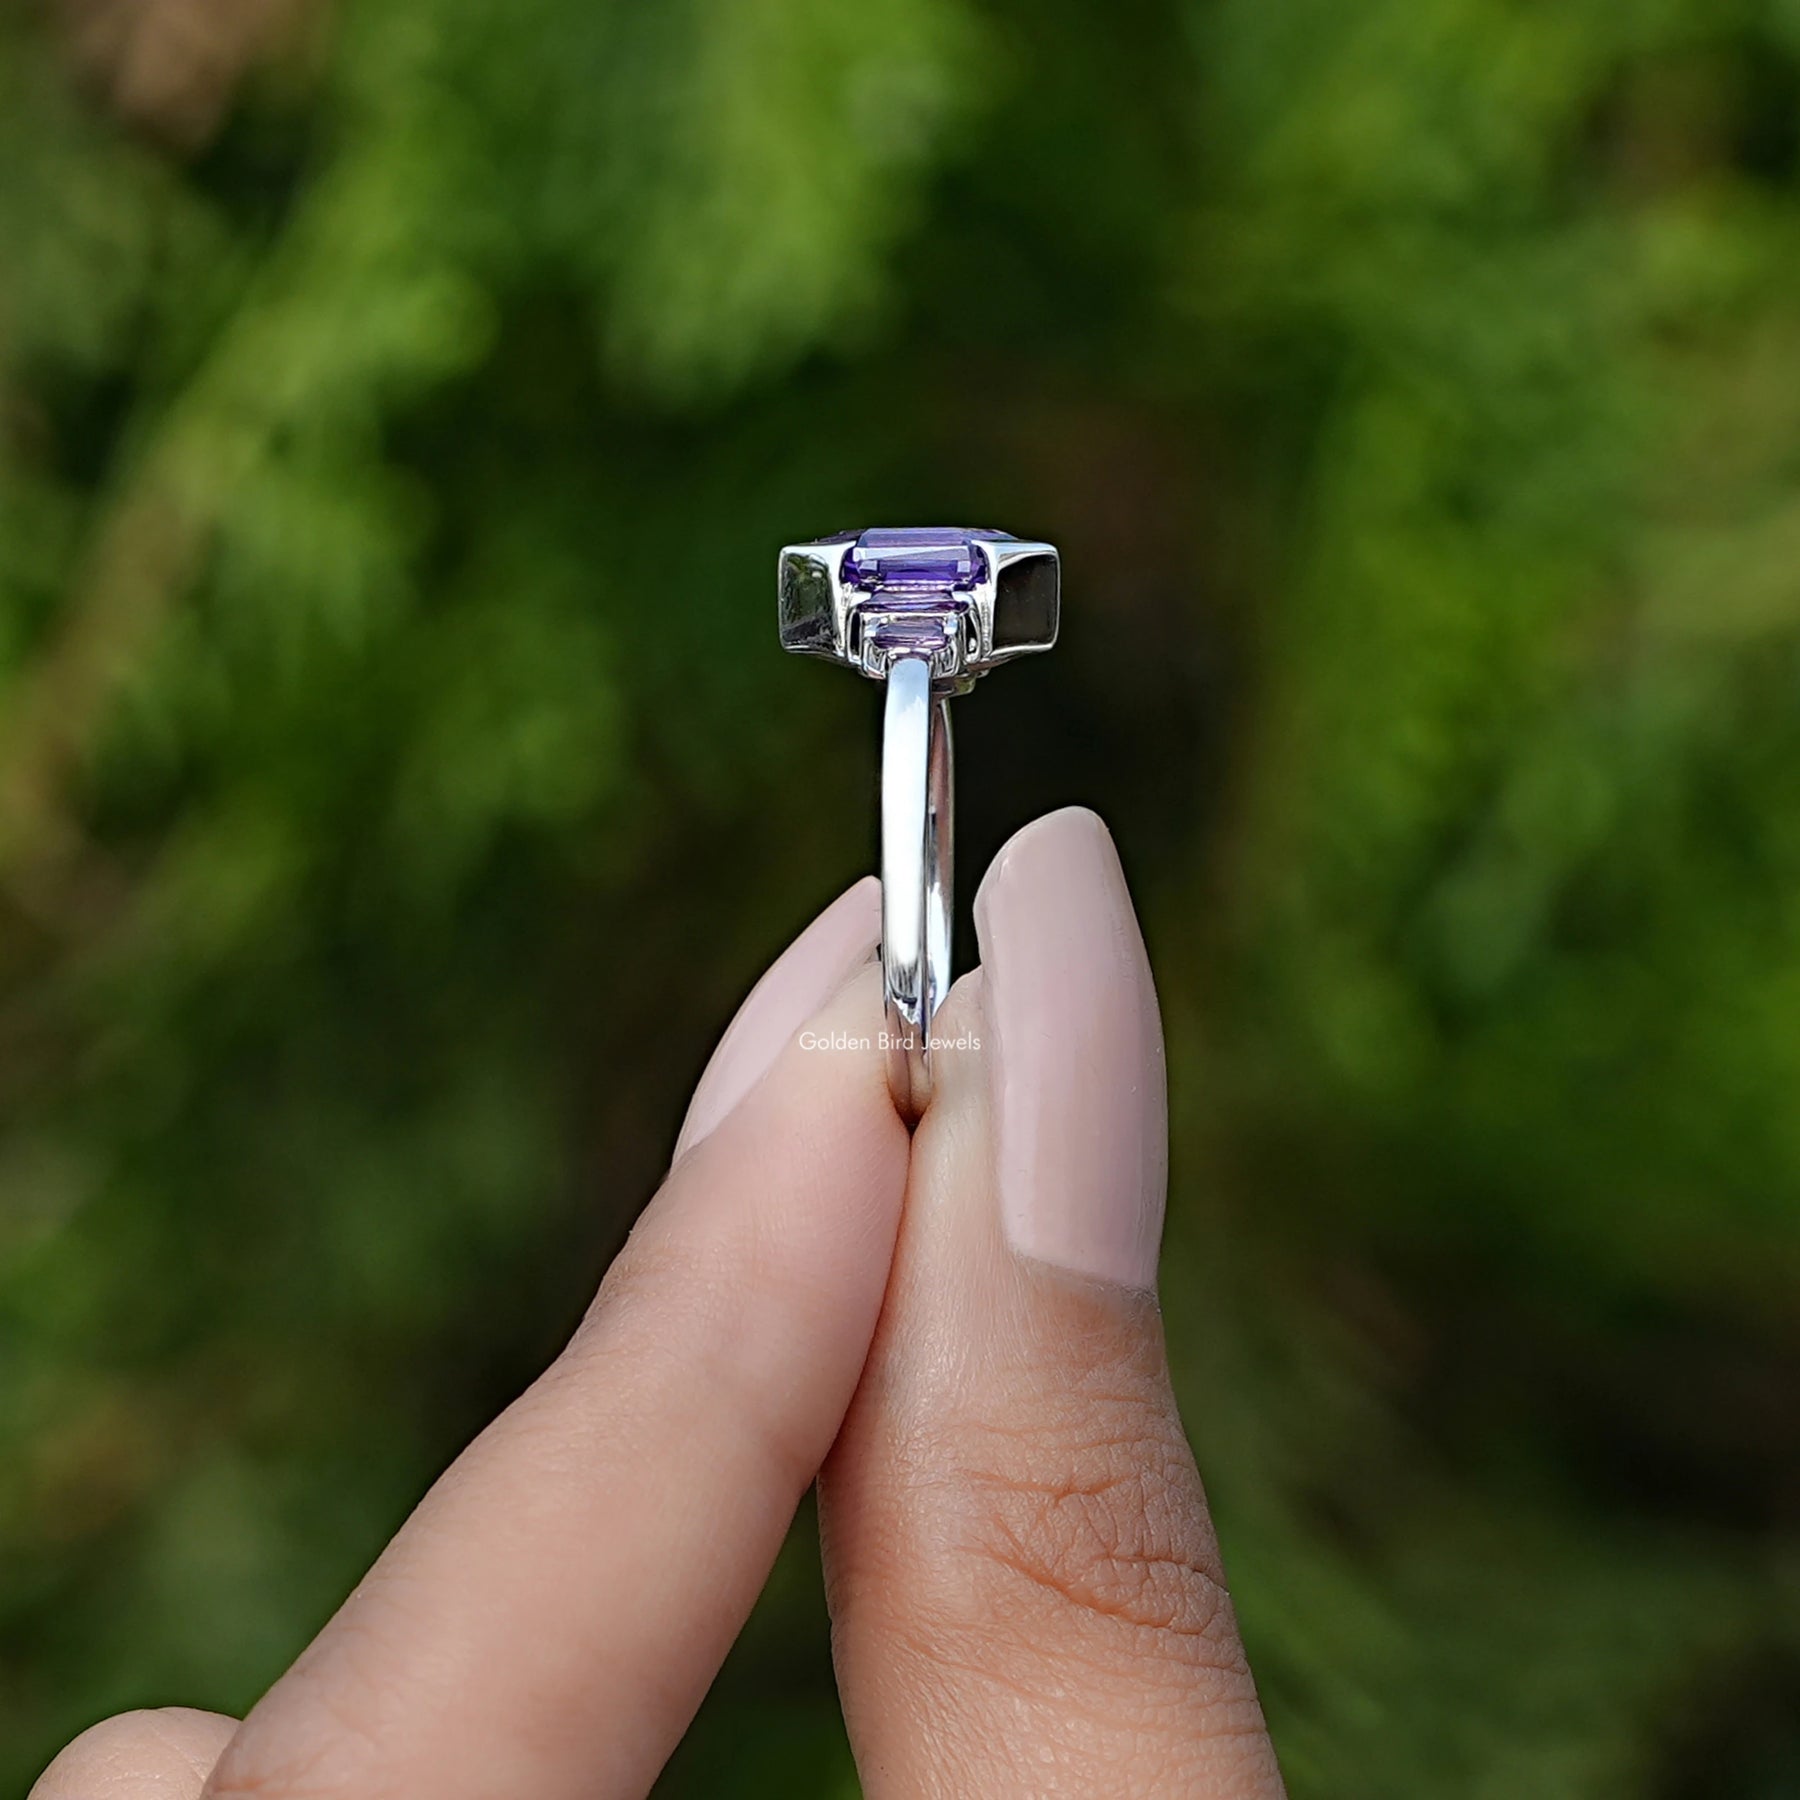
column 917, row 874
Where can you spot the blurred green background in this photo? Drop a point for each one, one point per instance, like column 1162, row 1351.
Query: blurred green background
column 401, row 403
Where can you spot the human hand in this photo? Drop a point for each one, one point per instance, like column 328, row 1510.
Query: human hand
column 955, row 1334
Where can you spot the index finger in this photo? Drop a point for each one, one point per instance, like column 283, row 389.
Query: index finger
column 548, row 1620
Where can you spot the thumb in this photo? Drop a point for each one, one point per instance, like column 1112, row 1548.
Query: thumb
column 1025, row 1585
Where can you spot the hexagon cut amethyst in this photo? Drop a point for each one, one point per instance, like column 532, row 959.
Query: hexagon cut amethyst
column 917, row 559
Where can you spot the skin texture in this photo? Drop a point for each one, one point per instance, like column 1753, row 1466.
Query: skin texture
column 162, row 1752
column 1026, row 1591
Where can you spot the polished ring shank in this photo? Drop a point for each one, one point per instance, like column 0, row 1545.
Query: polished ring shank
column 917, row 875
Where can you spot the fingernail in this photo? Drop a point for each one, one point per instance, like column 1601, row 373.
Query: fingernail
column 1081, row 1106
column 806, row 974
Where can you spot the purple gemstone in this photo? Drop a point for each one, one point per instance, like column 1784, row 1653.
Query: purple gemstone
column 915, row 634
column 933, row 558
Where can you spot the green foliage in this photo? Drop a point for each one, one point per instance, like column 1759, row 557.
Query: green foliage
column 394, row 439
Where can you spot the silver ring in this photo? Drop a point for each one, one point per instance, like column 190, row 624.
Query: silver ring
column 926, row 610
column 917, row 876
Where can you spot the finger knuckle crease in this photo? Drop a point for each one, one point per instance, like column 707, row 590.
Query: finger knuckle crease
column 1116, row 1531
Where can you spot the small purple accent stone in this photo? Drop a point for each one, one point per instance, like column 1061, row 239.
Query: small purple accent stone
column 915, row 634
column 926, row 559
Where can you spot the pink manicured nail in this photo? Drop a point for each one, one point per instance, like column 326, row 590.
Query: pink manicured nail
column 812, row 968
column 1080, row 1097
